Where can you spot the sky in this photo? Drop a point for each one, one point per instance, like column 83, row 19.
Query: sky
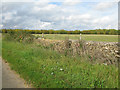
column 62, row 14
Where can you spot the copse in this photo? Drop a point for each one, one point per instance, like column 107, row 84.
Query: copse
column 101, row 31
column 96, row 31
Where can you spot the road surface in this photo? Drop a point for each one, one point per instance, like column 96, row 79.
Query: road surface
column 10, row 79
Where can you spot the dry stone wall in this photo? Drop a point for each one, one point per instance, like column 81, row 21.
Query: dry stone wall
column 103, row 52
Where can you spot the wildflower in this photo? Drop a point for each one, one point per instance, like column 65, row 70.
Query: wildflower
column 52, row 73
column 61, row 69
column 105, row 63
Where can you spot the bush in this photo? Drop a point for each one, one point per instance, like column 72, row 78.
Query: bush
column 20, row 36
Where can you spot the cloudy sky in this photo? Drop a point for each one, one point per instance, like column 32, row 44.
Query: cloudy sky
column 68, row 15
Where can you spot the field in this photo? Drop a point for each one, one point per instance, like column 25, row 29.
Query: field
column 62, row 44
column 104, row 38
column 45, row 68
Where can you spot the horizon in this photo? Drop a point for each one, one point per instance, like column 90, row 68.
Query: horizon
column 58, row 29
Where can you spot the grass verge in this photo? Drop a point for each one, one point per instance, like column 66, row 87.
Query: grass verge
column 45, row 68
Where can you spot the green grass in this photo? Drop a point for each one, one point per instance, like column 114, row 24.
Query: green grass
column 45, row 68
column 0, row 44
column 104, row 38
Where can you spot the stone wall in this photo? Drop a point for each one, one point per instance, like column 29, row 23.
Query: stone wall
column 103, row 52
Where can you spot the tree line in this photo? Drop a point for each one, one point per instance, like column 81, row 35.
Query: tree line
column 96, row 31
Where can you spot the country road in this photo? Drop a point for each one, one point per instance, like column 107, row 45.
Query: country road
column 10, row 79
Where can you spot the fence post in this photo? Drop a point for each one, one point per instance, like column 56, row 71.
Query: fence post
column 80, row 36
column 42, row 35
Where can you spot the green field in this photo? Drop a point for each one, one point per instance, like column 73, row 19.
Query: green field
column 104, row 38
column 45, row 68
column 0, row 48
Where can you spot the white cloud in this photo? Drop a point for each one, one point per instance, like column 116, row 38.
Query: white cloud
column 48, row 7
column 60, row 0
column 25, row 0
column 105, row 5
column 71, row 2
column 17, row 0
column 77, row 17
column 8, row 16
column 53, row 16
column 1, row 25
column 41, row 3
column 103, row 20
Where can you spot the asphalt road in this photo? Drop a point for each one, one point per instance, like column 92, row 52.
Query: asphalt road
column 10, row 79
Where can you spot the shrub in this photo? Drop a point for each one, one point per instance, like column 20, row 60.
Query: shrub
column 20, row 36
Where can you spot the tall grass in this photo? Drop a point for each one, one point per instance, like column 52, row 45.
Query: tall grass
column 45, row 68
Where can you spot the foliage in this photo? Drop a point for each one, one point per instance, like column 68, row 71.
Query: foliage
column 97, row 31
column 20, row 36
column 45, row 68
column 101, row 31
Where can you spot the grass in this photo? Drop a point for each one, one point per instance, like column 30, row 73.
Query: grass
column 0, row 44
column 45, row 68
column 104, row 38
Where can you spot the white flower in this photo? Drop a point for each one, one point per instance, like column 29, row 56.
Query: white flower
column 52, row 73
column 105, row 63
column 61, row 69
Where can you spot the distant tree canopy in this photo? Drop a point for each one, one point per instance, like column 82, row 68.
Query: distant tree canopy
column 97, row 31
